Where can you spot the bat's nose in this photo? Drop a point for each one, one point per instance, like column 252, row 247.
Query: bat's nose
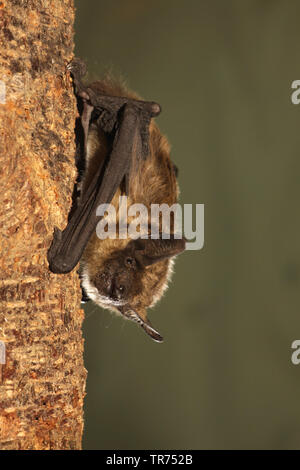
column 113, row 288
column 118, row 290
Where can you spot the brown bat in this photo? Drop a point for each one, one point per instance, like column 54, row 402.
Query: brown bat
column 124, row 154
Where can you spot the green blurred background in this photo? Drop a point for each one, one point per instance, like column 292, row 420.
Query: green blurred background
column 223, row 378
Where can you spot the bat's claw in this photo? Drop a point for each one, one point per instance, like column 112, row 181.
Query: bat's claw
column 77, row 68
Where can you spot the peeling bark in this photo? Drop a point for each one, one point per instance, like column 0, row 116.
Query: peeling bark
column 43, row 378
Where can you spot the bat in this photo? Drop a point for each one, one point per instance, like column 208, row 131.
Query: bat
column 124, row 154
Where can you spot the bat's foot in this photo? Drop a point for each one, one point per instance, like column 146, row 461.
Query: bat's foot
column 77, row 68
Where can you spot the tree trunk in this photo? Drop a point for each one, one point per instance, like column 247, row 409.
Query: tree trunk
column 42, row 379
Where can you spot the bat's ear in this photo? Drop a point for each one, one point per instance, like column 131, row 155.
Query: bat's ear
column 148, row 328
column 142, row 320
column 150, row 251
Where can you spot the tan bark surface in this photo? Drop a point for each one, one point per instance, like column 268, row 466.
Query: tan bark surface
column 43, row 379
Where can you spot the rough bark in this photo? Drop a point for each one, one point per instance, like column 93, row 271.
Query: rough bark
column 43, row 378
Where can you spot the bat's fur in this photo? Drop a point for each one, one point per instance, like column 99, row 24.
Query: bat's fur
column 152, row 180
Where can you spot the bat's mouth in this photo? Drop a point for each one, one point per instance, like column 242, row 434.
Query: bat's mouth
column 113, row 289
column 99, row 297
column 108, row 301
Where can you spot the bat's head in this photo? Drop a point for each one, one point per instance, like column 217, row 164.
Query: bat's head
column 133, row 278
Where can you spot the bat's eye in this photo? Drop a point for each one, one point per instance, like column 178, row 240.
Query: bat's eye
column 130, row 262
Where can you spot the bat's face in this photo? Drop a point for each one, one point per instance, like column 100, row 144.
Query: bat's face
column 131, row 279
column 119, row 278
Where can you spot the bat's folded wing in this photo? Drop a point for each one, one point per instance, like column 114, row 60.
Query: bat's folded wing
column 68, row 245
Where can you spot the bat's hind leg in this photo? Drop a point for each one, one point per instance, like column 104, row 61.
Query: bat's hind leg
column 78, row 70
